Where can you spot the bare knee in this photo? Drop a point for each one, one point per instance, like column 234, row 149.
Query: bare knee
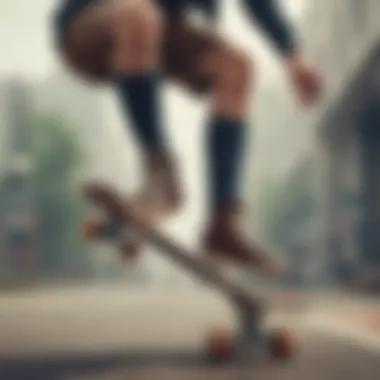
column 235, row 72
column 232, row 80
column 136, row 32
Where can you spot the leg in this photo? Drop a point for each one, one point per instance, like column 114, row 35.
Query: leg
column 119, row 41
column 228, row 75
column 231, row 73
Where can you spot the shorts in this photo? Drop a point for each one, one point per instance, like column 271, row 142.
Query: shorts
column 184, row 47
column 62, row 18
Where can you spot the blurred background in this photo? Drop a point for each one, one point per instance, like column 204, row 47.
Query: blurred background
column 313, row 177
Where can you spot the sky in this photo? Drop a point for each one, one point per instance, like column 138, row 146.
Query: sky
column 24, row 39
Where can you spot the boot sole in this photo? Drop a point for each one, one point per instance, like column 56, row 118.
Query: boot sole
column 220, row 261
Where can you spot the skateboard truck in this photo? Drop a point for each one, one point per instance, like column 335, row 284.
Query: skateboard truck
column 250, row 317
column 112, row 230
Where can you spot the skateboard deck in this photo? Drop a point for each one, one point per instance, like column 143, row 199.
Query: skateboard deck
column 118, row 217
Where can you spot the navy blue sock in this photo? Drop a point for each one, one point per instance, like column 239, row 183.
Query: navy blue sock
column 139, row 95
column 225, row 148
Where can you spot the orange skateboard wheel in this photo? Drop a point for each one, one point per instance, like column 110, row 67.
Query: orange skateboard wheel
column 130, row 251
column 220, row 345
column 283, row 344
column 91, row 229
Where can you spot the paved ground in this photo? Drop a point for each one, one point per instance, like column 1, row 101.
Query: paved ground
column 93, row 333
column 323, row 357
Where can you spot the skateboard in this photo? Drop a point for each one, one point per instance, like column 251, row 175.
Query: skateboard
column 121, row 225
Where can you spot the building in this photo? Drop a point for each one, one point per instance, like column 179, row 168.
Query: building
column 343, row 38
column 81, row 108
column 17, row 231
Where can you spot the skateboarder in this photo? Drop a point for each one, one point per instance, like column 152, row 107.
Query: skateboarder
column 135, row 44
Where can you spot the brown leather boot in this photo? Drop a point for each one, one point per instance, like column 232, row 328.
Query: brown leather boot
column 227, row 241
column 160, row 195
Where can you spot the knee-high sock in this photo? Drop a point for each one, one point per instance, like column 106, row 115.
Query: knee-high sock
column 225, row 150
column 140, row 100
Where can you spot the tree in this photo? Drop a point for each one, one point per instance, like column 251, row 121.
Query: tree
column 57, row 159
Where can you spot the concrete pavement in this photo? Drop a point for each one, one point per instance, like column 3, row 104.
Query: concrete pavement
column 111, row 333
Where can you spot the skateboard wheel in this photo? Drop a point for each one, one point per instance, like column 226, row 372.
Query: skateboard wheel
column 220, row 345
column 130, row 251
column 282, row 344
column 91, row 230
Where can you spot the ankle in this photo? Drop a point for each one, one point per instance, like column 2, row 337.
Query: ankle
column 157, row 159
column 224, row 214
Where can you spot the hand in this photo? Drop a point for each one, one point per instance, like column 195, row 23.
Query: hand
column 306, row 81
